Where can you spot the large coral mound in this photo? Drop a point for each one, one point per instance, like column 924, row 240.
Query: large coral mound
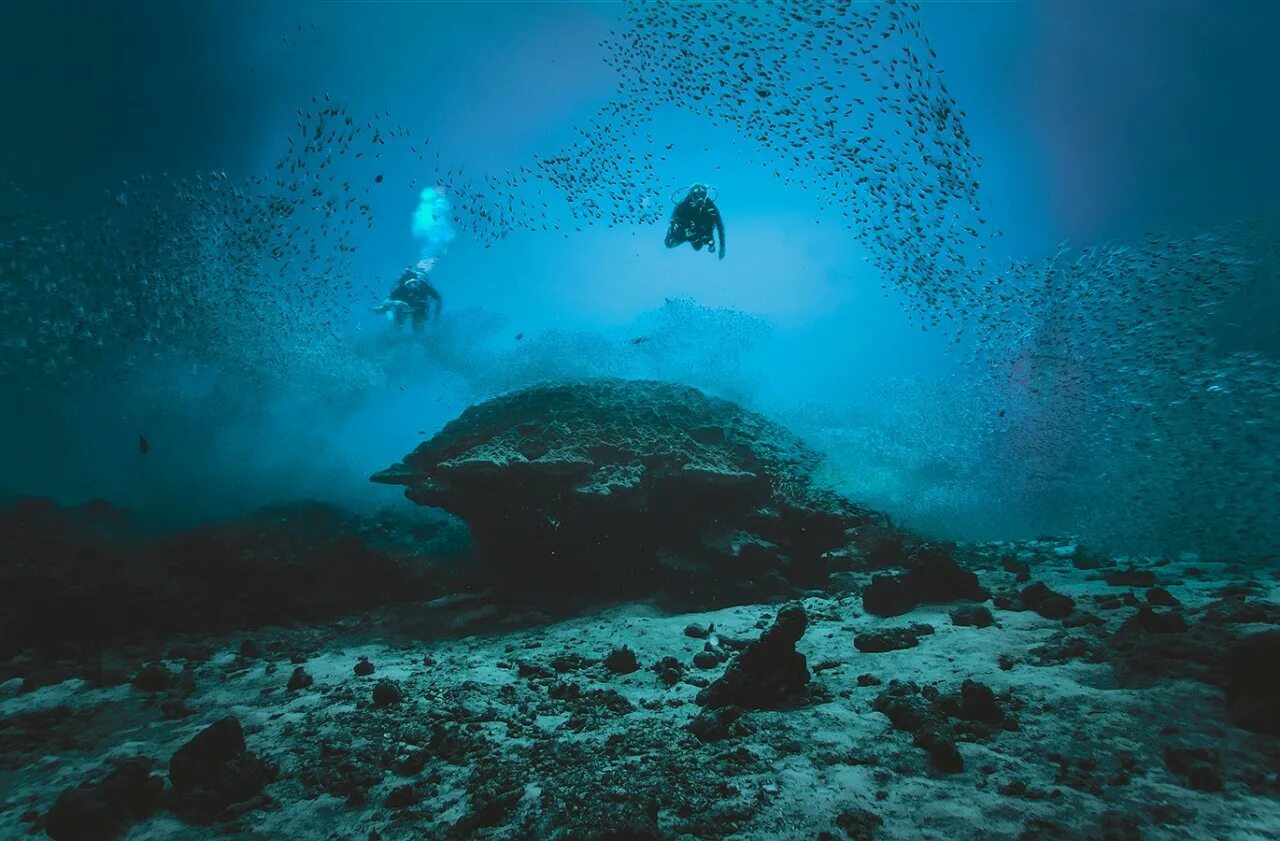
column 622, row 482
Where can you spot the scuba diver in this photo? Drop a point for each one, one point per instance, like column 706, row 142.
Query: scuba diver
column 412, row 297
column 693, row 219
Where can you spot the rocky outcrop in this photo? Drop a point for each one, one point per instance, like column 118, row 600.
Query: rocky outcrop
column 769, row 672
column 625, row 483
column 1253, row 682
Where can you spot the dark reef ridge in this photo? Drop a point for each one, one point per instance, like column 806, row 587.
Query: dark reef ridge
column 635, row 485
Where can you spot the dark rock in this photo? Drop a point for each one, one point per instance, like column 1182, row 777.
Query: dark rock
column 944, row 756
column 300, row 679
column 869, row 680
column 402, row 797
column 1253, row 682
column 1013, row 788
column 153, row 678
column 973, row 615
column 1150, row 621
column 103, row 811
column 363, row 667
column 200, row 761
column 213, row 771
column 682, row 493
column 249, row 648
column 1204, row 777
column 1161, row 597
column 1180, row 758
column 669, row 670
column 706, row 660
column 932, row 577
column 767, row 673
column 696, row 631
column 621, row 661
column 1131, row 577
column 890, row 639
column 1118, row 826
column 718, row 724
column 386, row 693
column 1051, row 605
column 1087, row 560
column 564, row 691
column 1020, row 569
column 1082, row 619
column 978, row 703
column 1237, row 609
column 859, row 824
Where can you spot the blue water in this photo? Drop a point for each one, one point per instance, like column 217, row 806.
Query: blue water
column 193, row 238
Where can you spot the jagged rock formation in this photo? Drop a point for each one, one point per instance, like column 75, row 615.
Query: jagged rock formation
column 621, row 482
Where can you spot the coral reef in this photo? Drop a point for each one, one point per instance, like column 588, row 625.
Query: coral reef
column 632, row 484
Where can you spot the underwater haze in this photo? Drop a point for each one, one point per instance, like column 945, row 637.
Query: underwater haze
column 680, row 308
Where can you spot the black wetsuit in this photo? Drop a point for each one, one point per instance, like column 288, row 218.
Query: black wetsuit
column 417, row 294
column 693, row 220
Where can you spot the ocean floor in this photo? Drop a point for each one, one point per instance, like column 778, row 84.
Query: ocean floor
column 464, row 717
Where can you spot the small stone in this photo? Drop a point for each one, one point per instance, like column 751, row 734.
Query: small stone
column 1204, row 777
column 401, row 797
column 1131, row 577
column 890, row 639
column 1013, row 788
column 249, row 649
column 300, row 679
column 976, row 616
column 386, row 693
column 945, row 756
column 697, row 631
column 1162, row 597
column 364, row 668
column 621, row 661
column 859, row 824
column 705, row 660
column 153, row 678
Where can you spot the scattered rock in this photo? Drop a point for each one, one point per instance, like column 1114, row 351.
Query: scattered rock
column 1051, row 605
column 706, row 660
column 699, row 632
column 718, row 724
column 154, row 677
column 1150, row 621
column 621, row 661
column 363, row 667
column 972, row 615
column 102, row 811
column 1162, row 597
column 932, row 577
column 1253, row 682
column 386, row 693
column 891, row 639
column 1130, row 577
column 859, row 824
column 402, row 797
column 1204, row 777
column 300, row 679
column 213, row 771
